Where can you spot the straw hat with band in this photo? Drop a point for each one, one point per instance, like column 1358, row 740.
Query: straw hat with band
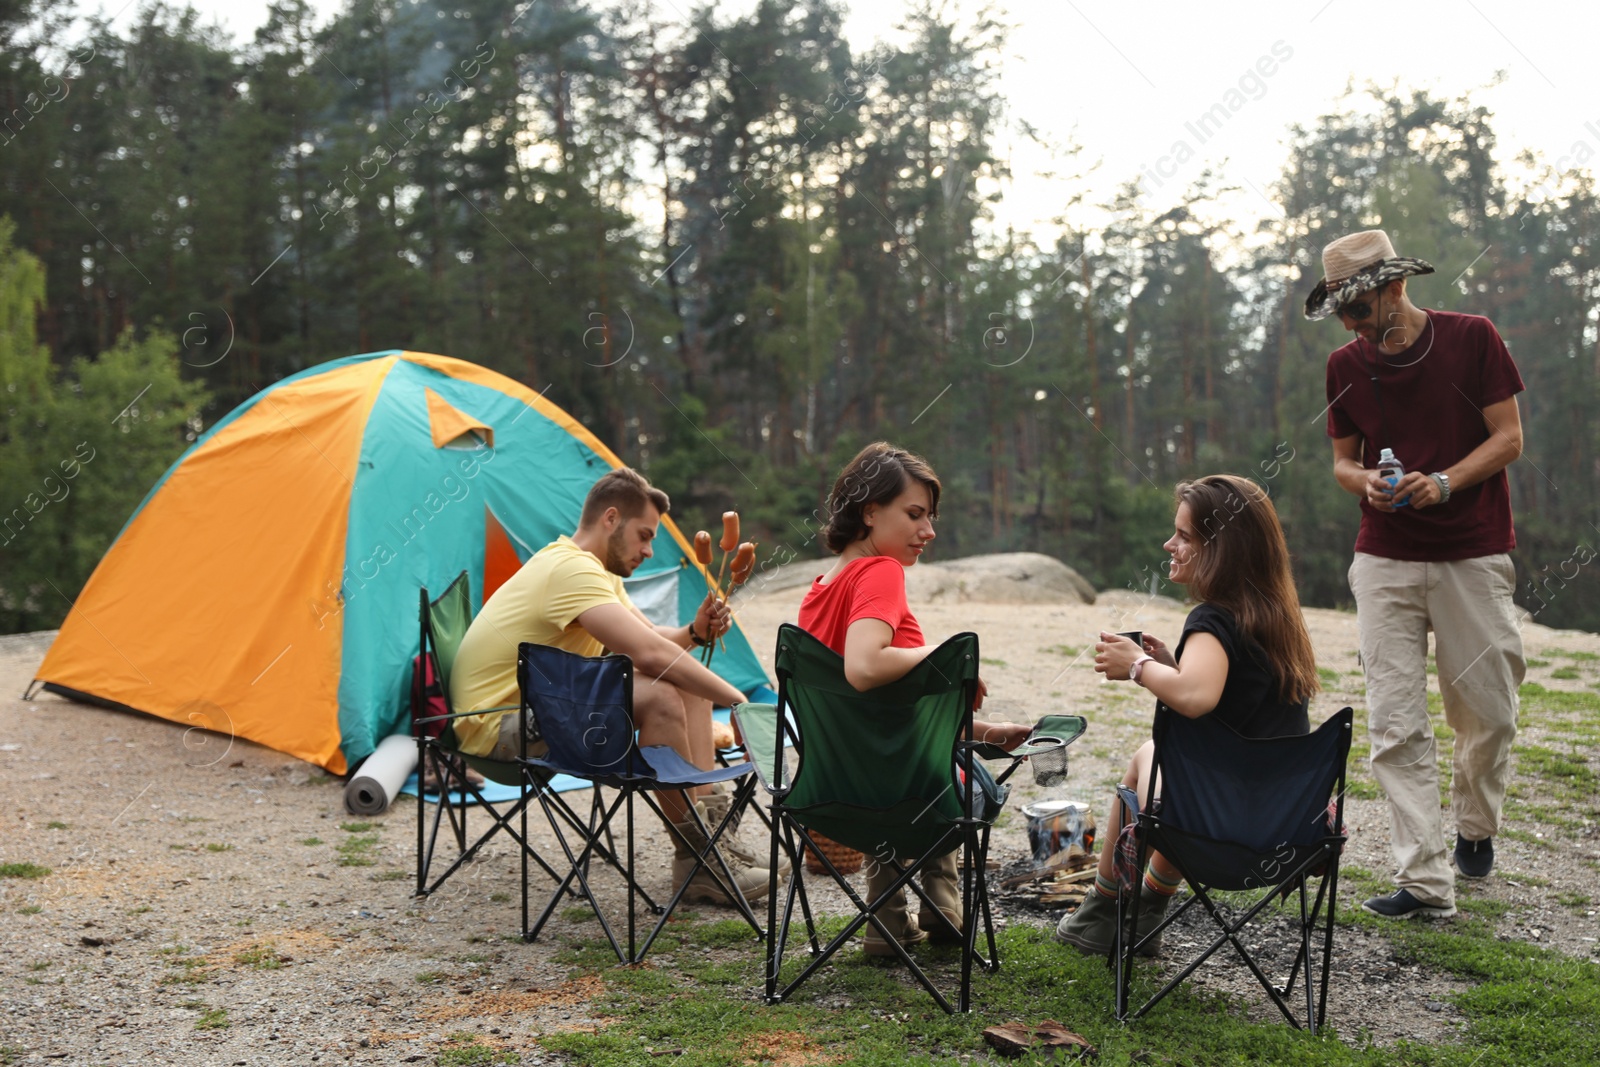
column 1358, row 263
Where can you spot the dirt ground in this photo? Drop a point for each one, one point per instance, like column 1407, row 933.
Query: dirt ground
column 210, row 902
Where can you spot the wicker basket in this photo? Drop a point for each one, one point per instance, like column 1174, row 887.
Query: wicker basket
column 847, row 860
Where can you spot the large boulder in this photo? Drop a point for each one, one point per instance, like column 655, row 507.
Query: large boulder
column 1006, row 578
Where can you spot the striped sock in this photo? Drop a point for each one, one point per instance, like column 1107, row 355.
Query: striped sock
column 1105, row 887
column 1159, row 885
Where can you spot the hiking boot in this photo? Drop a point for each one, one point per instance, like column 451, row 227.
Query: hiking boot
column 1474, row 859
column 1152, row 909
column 737, row 852
column 873, row 944
column 892, row 913
column 707, row 886
column 1092, row 928
column 1402, row 905
column 939, row 881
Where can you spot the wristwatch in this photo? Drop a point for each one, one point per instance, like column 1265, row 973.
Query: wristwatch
column 1442, row 480
column 1138, row 668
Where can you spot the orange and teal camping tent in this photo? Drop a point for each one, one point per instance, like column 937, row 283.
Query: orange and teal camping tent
column 266, row 587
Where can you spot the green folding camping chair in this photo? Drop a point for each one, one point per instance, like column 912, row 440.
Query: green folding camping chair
column 444, row 623
column 885, row 772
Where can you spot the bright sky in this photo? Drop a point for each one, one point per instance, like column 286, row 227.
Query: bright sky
column 1130, row 82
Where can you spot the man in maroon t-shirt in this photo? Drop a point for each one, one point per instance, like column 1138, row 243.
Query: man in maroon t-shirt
column 1438, row 390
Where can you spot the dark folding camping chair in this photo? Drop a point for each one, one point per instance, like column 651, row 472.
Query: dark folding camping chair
column 1239, row 814
column 444, row 622
column 584, row 710
column 883, row 772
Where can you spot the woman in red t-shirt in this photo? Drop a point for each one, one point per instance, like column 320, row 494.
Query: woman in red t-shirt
column 881, row 519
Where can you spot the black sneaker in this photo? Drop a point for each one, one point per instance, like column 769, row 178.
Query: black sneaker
column 1402, row 905
column 1474, row 859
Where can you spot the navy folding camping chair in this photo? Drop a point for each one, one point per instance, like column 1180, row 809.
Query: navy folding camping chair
column 583, row 707
column 1258, row 815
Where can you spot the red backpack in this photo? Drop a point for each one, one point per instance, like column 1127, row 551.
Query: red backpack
column 434, row 703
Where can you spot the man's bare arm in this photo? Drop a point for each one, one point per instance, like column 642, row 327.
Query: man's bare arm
column 1499, row 450
column 621, row 630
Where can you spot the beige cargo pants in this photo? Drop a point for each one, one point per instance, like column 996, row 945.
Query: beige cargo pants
column 1478, row 650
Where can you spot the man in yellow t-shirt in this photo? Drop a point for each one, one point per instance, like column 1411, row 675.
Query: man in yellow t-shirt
column 570, row 595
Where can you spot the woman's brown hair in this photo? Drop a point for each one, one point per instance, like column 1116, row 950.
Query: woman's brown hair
column 878, row 473
column 1242, row 564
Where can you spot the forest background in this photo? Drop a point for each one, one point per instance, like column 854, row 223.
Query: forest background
column 737, row 248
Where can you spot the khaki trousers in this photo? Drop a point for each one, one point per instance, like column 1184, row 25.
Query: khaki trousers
column 1478, row 650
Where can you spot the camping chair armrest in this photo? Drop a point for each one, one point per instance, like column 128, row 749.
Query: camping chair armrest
column 463, row 714
column 1067, row 728
column 762, row 729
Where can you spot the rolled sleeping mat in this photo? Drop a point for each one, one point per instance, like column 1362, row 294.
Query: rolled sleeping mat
column 381, row 775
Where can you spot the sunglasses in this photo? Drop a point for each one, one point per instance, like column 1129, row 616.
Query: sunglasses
column 1358, row 309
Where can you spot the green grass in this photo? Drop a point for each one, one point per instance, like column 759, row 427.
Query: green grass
column 1566, row 674
column 1567, row 773
column 261, row 957
column 311, row 842
column 499, row 898
column 29, row 909
column 22, row 870
column 1572, row 654
column 1581, row 903
column 394, row 876
column 359, row 827
column 465, row 1050
column 1538, row 663
column 212, row 846
column 353, row 851
column 212, row 1019
column 1526, row 1005
column 56, row 824
column 1536, row 698
column 1069, row 651
column 1328, row 678
column 431, row 977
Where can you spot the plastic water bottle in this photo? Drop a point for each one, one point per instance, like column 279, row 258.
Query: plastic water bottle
column 1391, row 470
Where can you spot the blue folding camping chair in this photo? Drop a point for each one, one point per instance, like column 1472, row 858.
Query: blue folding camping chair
column 583, row 708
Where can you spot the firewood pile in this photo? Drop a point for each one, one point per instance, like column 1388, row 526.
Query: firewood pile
column 1060, row 882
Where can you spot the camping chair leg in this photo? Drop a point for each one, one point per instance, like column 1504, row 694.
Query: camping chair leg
column 797, row 865
column 633, row 937
column 702, row 860
column 526, row 782
column 868, row 913
column 992, row 964
column 1123, row 944
column 1331, row 884
column 576, row 864
column 1305, row 955
column 422, row 814
column 775, row 936
column 1230, row 934
column 591, row 831
column 967, row 925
